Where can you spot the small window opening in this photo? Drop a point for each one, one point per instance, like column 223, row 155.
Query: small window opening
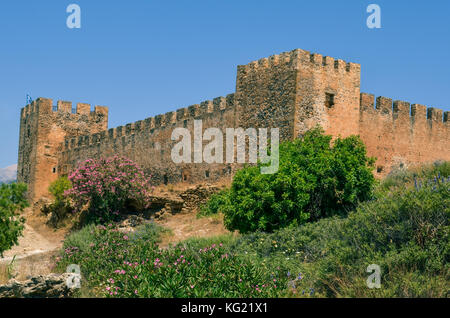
column 379, row 169
column 329, row 100
column 166, row 180
column 54, row 170
column 207, row 173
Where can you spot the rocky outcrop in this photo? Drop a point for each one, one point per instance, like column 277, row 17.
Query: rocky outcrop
column 188, row 200
column 50, row 286
column 197, row 196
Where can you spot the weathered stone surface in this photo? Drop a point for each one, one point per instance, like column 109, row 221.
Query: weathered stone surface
column 197, row 196
column 293, row 91
column 50, row 286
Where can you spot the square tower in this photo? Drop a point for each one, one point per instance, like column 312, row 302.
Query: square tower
column 296, row 91
column 43, row 128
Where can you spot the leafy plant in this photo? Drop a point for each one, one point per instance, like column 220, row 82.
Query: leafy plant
column 58, row 187
column 315, row 179
column 60, row 209
column 12, row 200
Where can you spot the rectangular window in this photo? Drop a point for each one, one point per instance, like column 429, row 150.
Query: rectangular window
column 329, row 100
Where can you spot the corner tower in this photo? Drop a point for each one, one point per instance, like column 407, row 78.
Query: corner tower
column 43, row 128
column 296, row 91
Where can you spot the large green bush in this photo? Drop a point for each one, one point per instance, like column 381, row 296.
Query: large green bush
column 405, row 231
column 12, row 200
column 316, row 178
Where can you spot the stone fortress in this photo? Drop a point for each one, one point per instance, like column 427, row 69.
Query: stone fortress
column 293, row 91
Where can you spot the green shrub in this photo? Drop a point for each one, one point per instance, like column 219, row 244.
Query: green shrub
column 12, row 200
column 402, row 177
column 58, row 187
column 315, row 179
column 215, row 203
column 60, row 209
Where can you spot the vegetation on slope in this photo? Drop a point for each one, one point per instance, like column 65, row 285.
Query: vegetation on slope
column 403, row 228
column 12, row 201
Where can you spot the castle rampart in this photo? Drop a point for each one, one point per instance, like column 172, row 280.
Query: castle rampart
column 293, row 91
column 399, row 134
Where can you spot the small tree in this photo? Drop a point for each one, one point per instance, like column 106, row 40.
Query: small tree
column 315, row 179
column 106, row 186
column 60, row 209
column 59, row 187
column 12, row 201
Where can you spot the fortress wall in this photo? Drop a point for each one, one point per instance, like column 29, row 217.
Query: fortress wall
column 400, row 134
column 148, row 142
column 293, row 91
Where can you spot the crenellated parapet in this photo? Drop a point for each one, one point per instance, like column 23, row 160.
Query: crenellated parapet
column 400, row 134
column 401, row 110
column 211, row 108
column 293, row 91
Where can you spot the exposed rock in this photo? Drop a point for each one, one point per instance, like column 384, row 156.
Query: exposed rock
column 130, row 223
column 196, row 196
column 50, row 286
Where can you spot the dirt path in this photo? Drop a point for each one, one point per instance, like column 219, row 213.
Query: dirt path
column 31, row 243
column 34, row 253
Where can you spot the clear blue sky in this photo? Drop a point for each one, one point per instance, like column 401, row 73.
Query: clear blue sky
column 142, row 58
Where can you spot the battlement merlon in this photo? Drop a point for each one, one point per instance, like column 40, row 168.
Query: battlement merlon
column 45, row 106
column 402, row 110
column 297, row 58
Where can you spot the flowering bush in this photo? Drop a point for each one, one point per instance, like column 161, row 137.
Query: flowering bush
column 106, row 186
column 116, row 264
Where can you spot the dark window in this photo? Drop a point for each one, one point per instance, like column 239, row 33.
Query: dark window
column 379, row 169
column 207, row 173
column 54, row 170
column 184, row 177
column 166, row 180
column 329, row 100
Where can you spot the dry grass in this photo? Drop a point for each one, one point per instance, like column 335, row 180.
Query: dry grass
column 4, row 277
column 187, row 225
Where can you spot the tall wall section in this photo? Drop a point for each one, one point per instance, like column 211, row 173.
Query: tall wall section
column 400, row 135
column 296, row 91
column 43, row 128
column 266, row 92
column 327, row 94
column 148, row 142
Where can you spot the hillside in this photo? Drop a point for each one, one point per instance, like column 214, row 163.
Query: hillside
column 8, row 174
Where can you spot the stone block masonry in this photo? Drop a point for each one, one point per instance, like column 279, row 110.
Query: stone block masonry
column 293, row 91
